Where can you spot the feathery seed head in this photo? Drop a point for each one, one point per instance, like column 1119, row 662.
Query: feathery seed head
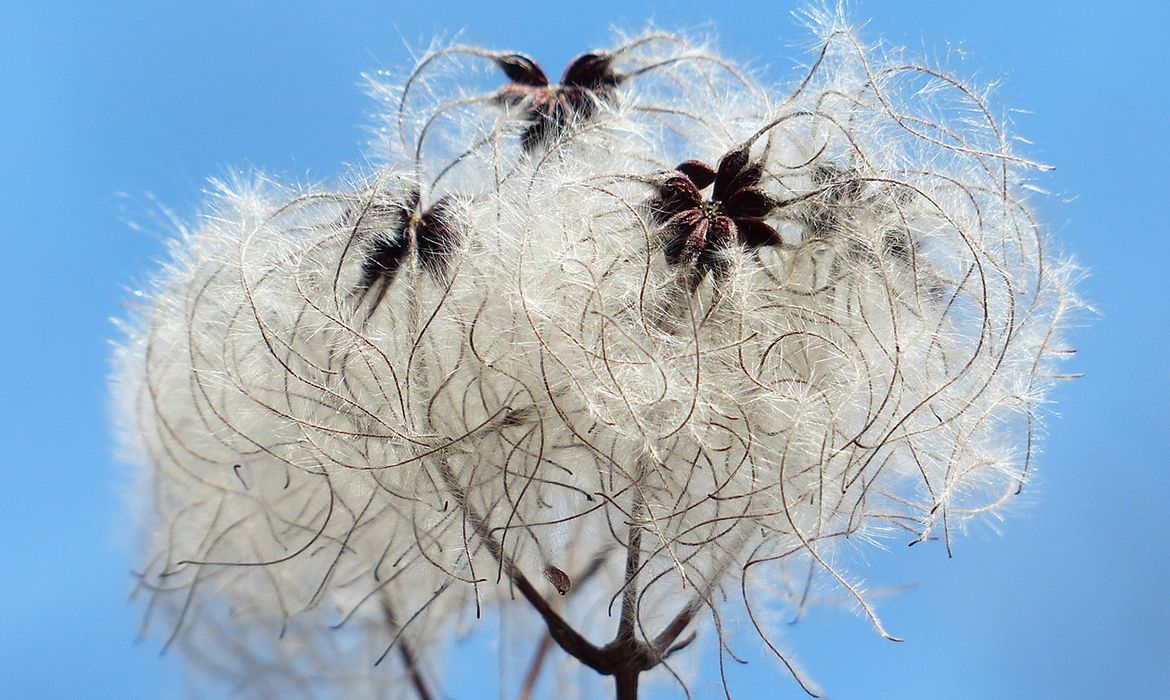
column 543, row 357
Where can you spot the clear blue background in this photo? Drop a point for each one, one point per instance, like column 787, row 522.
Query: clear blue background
column 100, row 106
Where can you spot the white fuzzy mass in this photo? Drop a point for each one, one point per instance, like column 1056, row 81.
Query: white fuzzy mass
column 357, row 412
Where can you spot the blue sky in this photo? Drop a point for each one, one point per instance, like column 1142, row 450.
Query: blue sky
column 105, row 109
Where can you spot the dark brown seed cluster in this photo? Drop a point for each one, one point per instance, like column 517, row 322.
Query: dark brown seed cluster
column 392, row 230
column 842, row 188
column 549, row 108
column 697, row 230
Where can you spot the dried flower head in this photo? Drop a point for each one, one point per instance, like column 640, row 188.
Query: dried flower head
column 531, row 366
column 549, row 108
column 697, row 230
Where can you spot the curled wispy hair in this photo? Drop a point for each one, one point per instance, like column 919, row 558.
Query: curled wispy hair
column 641, row 348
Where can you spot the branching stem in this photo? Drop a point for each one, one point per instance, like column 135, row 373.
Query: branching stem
column 626, row 657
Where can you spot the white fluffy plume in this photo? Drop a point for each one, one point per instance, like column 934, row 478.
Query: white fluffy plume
column 520, row 352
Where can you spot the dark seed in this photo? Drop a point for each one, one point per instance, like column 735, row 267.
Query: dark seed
column 436, row 238
column 523, row 70
column 749, row 202
column 699, row 172
column 559, row 579
column 384, row 258
column 730, row 166
column 590, row 71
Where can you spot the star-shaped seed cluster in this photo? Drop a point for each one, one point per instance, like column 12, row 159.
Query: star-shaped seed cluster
column 699, row 231
column 548, row 107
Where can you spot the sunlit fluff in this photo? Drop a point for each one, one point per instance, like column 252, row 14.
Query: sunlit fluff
column 503, row 358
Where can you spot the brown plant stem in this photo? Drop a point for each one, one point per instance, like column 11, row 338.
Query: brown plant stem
column 534, row 668
column 546, row 641
column 633, row 561
column 561, row 631
column 408, row 657
column 626, row 657
column 627, row 684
